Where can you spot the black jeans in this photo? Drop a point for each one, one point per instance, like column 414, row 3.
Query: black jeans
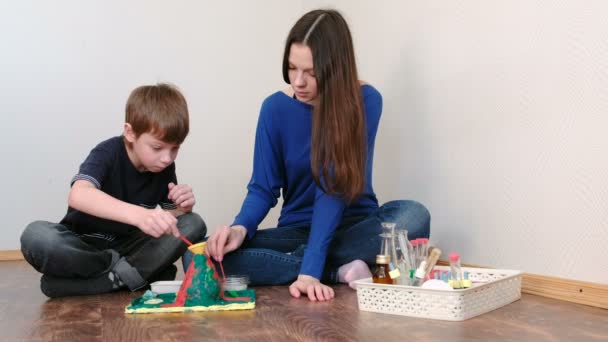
column 55, row 250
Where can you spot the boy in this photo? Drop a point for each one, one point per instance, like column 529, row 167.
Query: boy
column 113, row 234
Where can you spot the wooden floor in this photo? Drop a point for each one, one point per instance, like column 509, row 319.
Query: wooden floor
column 27, row 315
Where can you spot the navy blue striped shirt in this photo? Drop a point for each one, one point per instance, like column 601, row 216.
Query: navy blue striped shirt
column 109, row 168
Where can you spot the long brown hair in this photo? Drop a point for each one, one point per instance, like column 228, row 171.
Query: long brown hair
column 339, row 140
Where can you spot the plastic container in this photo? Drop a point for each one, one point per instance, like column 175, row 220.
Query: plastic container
column 236, row 283
column 492, row 288
column 166, row 286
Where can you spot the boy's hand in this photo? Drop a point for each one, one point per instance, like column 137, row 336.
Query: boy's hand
column 316, row 291
column 182, row 196
column 157, row 222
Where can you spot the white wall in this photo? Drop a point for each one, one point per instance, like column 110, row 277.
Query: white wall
column 67, row 68
column 500, row 112
column 498, row 109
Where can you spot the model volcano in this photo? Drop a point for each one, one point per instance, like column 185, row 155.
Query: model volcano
column 201, row 290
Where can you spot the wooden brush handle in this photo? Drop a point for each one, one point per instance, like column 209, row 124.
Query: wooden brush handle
column 431, row 261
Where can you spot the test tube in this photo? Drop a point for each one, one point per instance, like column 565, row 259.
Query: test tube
column 402, row 238
column 410, row 250
column 426, row 247
column 403, row 263
column 414, row 253
column 456, row 271
column 421, row 255
column 422, row 248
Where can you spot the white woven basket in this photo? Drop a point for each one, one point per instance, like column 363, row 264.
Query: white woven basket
column 501, row 287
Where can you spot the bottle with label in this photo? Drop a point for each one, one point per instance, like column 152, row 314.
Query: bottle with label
column 381, row 271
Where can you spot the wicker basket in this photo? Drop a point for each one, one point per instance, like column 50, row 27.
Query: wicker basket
column 499, row 288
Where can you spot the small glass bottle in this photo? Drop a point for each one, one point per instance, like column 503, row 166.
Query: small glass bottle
column 381, row 271
column 455, row 271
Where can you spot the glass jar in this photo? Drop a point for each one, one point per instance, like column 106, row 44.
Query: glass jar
column 381, row 271
column 236, row 283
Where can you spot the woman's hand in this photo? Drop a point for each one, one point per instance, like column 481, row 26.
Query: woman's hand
column 224, row 240
column 316, row 291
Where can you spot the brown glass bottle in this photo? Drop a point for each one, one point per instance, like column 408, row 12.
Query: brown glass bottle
column 381, row 270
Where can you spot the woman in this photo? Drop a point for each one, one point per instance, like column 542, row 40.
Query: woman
column 315, row 144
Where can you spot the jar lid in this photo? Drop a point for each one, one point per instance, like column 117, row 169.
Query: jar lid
column 237, row 279
column 382, row 259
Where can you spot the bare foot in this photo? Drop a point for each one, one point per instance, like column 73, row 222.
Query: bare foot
column 354, row 270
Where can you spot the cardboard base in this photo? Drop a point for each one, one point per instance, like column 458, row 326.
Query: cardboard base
column 163, row 303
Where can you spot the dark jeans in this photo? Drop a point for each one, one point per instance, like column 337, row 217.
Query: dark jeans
column 55, row 250
column 274, row 256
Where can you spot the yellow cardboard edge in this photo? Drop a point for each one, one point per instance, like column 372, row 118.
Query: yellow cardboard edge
column 227, row 307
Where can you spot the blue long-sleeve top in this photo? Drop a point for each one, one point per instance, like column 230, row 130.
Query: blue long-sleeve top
column 281, row 162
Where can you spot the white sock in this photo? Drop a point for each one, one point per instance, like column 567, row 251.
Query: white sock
column 354, row 270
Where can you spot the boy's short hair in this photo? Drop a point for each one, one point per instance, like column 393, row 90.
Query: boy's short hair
column 160, row 110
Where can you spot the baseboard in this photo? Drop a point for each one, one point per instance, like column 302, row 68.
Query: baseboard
column 11, row 255
column 575, row 291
